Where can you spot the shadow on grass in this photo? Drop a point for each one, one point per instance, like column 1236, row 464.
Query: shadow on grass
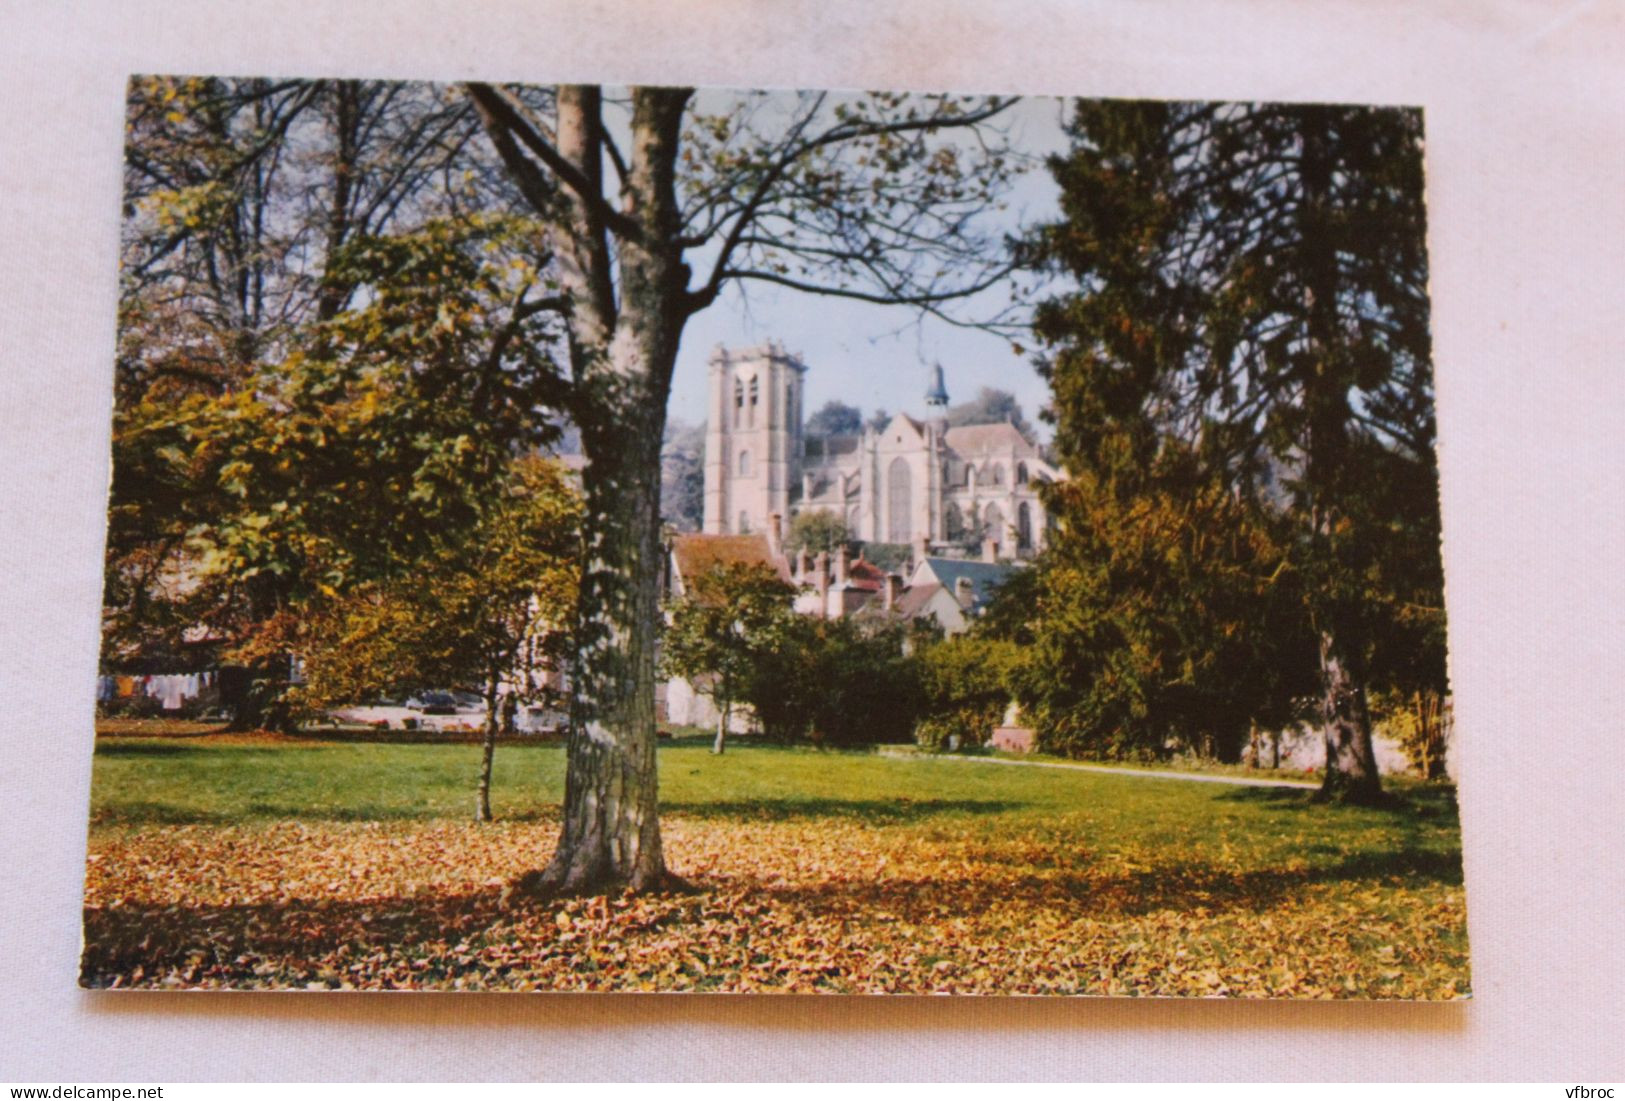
column 1416, row 801
column 1102, row 893
column 261, row 812
column 876, row 812
column 429, row 940
column 159, row 814
column 229, row 942
column 109, row 748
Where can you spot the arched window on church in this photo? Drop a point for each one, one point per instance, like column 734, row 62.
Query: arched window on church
column 744, row 464
column 998, row 474
column 739, row 403
column 1021, row 474
column 750, row 418
column 1024, row 526
column 993, row 524
column 898, row 503
column 953, row 523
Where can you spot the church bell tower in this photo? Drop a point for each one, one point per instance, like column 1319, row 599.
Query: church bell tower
column 753, row 443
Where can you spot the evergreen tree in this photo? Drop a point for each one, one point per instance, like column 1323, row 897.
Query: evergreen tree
column 1252, row 298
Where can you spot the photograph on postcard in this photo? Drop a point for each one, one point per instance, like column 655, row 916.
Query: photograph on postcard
column 576, row 538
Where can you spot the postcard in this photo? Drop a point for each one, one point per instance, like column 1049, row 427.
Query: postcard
column 577, row 538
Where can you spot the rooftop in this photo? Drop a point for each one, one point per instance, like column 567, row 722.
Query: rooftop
column 975, row 439
column 697, row 553
column 984, row 577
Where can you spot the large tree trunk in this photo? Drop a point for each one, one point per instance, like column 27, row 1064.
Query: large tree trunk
column 263, row 704
column 721, row 742
column 622, row 356
column 1351, row 763
column 1351, row 768
column 611, row 832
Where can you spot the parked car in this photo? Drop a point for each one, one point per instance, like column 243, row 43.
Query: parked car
column 541, row 720
column 381, row 715
column 434, row 702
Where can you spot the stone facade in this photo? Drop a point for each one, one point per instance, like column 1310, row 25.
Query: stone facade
column 968, row 487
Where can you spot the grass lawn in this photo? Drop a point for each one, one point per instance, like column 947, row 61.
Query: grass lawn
column 305, row 863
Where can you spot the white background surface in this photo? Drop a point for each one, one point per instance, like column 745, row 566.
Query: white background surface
column 1526, row 123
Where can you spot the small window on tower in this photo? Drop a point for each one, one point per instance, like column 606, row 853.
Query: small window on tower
column 744, row 523
column 744, row 464
column 751, row 420
column 739, row 403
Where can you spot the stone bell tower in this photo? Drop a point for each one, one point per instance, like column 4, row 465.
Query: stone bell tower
column 753, row 444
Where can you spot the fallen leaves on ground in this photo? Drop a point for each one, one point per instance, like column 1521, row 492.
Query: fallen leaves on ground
column 822, row 905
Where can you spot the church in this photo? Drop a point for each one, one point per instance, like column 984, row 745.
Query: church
column 967, row 490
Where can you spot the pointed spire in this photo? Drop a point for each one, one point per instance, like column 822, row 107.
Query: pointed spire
column 936, row 395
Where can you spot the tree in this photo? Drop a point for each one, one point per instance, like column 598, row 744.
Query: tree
column 728, row 620
column 1164, row 616
column 837, row 682
column 990, row 406
column 1253, row 283
column 858, row 196
column 834, row 418
column 682, row 476
column 817, row 530
column 968, row 682
column 492, row 608
column 355, row 457
column 258, row 220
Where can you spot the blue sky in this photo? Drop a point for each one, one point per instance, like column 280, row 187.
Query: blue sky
column 878, row 356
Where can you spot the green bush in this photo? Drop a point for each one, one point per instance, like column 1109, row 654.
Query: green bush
column 967, row 683
column 837, row 684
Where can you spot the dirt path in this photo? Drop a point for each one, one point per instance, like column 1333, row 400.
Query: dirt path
column 1138, row 773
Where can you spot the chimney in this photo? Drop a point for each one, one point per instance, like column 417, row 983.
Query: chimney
column 775, row 534
column 803, row 564
column 963, row 592
column 891, row 591
column 821, row 564
column 843, row 564
column 990, row 550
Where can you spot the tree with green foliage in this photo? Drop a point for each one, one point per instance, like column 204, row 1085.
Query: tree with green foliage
column 867, row 197
column 296, row 256
column 968, row 682
column 357, row 455
column 1252, row 299
column 490, row 608
column 834, row 418
column 1176, row 599
column 868, row 687
column 727, row 620
column 645, row 206
column 817, row 530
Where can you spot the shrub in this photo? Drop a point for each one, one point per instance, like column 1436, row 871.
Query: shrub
column 836, row 683
column 967, row 683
